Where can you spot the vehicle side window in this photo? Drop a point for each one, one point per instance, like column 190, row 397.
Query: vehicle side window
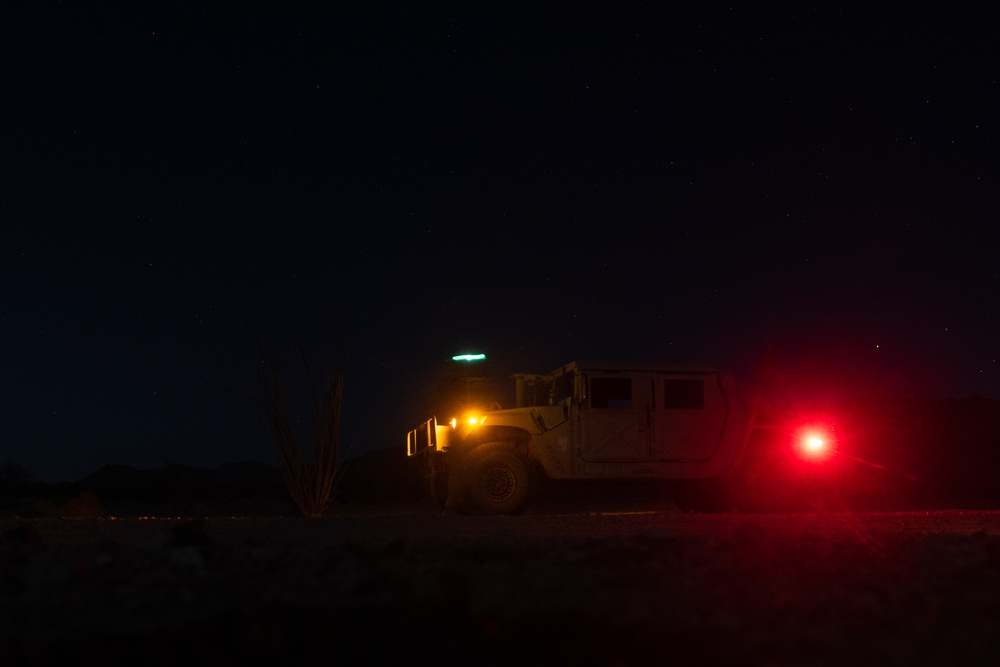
column 684, row 394
column 614, row 393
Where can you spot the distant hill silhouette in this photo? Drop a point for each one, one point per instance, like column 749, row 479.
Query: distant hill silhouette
column 384, row 475
column 180, row 483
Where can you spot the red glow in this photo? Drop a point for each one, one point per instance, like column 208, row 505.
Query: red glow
column 814, row 444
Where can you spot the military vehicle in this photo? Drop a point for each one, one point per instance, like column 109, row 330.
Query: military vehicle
column 700, row 430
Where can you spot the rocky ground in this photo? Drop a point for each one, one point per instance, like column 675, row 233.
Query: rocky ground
column 628, row 581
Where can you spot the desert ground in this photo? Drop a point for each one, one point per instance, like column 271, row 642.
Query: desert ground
column 576, row 580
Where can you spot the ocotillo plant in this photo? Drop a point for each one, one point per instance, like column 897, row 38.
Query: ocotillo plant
column 311, row 483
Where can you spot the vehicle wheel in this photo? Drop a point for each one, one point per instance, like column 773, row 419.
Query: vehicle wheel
column 498, row 481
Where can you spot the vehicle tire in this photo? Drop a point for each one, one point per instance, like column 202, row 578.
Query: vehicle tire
column 498, row 480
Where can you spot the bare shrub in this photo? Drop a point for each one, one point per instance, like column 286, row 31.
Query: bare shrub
column 311, row 482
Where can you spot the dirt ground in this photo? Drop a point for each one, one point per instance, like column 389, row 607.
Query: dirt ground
column 584, row 583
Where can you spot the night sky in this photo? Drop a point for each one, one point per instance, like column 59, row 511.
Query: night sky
column 388, row 184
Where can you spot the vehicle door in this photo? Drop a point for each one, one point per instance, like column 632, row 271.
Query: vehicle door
column 688, row 416
column 615, row 417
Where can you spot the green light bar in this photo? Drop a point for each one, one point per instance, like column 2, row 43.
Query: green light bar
column 468, row 357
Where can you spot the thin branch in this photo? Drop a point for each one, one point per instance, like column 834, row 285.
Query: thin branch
column 311, row 485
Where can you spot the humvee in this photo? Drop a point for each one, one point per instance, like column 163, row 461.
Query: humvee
column 687, row 425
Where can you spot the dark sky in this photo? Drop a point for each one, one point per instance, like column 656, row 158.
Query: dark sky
column 392, row 183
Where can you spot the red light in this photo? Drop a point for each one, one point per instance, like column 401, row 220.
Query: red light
column 814, row 444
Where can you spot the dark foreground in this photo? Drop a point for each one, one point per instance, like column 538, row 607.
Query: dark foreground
column 568, row 584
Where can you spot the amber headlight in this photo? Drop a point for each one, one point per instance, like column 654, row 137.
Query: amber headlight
column 471, row 421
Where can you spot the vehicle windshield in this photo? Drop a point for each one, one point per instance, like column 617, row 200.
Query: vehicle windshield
column 559, row 389
column 543, row 390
